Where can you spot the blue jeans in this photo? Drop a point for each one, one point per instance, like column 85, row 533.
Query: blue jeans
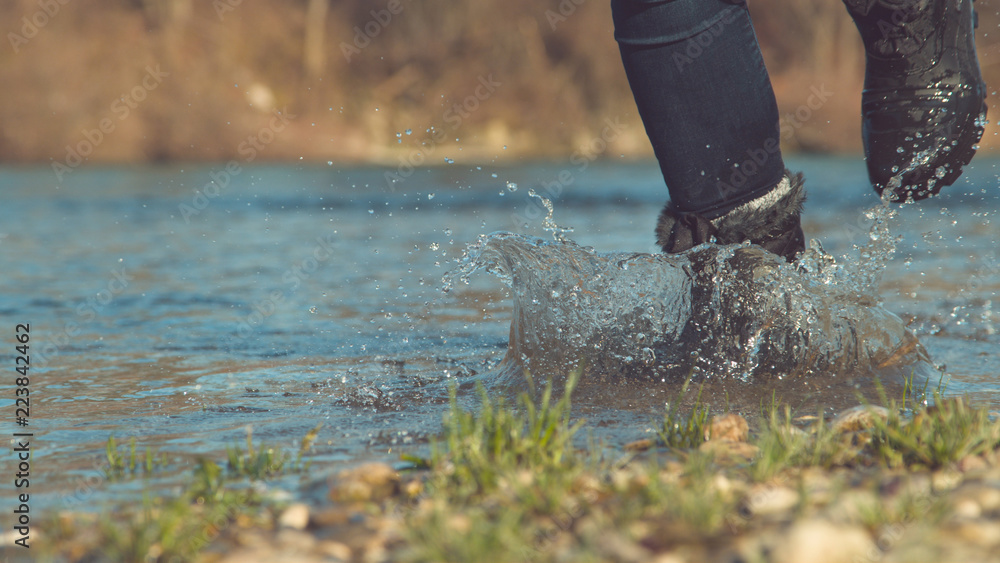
column 705, row 99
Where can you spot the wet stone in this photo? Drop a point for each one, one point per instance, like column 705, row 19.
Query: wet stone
column 859, row 418
column 638, row 445
column 371, row 481
column 726, row 451
column 732, row 427
column 331, row 517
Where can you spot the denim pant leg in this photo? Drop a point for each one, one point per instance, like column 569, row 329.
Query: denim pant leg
column 705, row 99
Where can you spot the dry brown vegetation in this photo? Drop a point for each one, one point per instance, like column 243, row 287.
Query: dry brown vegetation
column 231, row 63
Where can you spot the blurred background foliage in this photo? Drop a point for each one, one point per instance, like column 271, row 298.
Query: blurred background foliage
column 357, row 74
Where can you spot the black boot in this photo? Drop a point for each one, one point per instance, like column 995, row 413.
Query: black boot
column 771, row 221
column 923, row 108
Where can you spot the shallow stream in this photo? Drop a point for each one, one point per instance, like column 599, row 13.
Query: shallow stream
column 297, row 295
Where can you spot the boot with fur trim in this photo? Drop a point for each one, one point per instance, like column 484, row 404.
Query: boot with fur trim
column 770, row 221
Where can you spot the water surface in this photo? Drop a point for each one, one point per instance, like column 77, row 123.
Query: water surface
column 304, row 294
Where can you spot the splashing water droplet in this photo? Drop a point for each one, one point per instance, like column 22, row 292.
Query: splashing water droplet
column 548, row 224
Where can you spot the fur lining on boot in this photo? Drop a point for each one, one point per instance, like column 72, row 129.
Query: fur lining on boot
column 764, row 217
column 771, row 221
column 677, row 231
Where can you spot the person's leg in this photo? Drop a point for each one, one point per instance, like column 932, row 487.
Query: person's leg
column 923, row 108
column 707, row 104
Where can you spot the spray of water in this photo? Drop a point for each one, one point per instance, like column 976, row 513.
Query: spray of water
column 720, row 311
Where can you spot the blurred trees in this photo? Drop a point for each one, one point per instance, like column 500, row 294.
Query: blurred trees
column 357, row 74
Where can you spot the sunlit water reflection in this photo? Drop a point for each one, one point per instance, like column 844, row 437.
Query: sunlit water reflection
column 300, row 295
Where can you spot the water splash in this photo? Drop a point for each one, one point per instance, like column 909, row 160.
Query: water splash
column 548, row 223
column 730, row 312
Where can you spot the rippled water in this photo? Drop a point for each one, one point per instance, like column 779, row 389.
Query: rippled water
column 299, row 295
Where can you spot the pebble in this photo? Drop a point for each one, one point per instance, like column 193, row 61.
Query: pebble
column 295, row 540
column 988, row 497
column 851, row 505
column 817, row 486
column 295, row 516
column 972, row 463
column 732, row 427
column 979, row 532
column 726, row 451
column 913, row 484
column 371, row 481
column 819, row 541
column 945, row 480
column 767, row 500
column 335, row 549
column 335, row 516
column 617, row 548
column 668, row 558
column 861, row 417
column 413, row 487
column 967, row 509
column 638, row 445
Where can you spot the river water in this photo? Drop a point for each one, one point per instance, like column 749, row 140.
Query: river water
column 178, row 312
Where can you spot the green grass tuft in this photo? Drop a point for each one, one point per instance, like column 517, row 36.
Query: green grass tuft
column 264, row 461
column 130, row 464
column 934, row 436
column 682, row 432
